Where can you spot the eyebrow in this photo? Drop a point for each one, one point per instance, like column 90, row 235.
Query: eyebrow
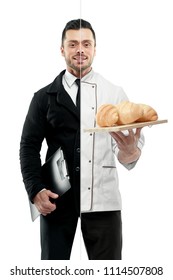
column 72, row 41
column 76, row 41
column 88, row 40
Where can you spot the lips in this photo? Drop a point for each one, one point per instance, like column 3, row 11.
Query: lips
column 80, row 58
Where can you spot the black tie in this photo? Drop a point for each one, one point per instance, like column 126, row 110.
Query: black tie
column 78, row 94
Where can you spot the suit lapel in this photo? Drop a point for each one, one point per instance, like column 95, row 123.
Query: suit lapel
column 63, row 97
column 65, row 100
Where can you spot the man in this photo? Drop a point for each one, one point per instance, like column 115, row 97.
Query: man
column 53, row 115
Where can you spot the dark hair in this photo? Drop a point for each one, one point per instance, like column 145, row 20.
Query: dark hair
column 77, row 24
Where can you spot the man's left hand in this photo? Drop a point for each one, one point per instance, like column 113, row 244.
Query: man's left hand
column 128, row 150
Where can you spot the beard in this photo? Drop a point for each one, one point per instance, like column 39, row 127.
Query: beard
column 78, row 67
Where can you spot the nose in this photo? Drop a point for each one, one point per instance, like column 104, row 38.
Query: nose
column 79, row 51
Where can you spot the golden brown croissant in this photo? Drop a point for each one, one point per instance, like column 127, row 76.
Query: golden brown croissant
column 128, row 112
column 125, row 112
column 149, row 114
column 107, row 115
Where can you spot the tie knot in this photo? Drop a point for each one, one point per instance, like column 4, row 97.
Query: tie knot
column 77, row 81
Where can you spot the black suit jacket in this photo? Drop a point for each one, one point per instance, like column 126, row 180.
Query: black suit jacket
column 52, row 116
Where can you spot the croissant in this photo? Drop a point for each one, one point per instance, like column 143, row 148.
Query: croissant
column 107, row 115
column 125, row 112
column 149, row 114
column 128, row 112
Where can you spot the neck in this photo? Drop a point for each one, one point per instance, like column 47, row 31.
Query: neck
column 79, row 74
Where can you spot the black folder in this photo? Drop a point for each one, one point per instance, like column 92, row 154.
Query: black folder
column 55, row 173
column 55, row 177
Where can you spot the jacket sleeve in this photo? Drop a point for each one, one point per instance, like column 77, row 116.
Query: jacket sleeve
column 33, row 134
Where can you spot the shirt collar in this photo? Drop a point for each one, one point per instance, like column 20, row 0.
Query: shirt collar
column 70, row 78
column 88, row 76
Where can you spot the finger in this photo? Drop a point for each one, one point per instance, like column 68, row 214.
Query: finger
column 119, row 137
column 120, row 134
column 131, row 133
column 116, row 138
column 47, row 206
column 52, row 194
column 138, row 131
column 45, row 213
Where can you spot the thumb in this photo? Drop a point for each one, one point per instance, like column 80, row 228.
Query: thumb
column 52, row 194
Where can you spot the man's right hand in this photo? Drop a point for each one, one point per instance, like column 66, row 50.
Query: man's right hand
column 42, row 202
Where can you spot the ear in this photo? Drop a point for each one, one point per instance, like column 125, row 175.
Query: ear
column 62, row 51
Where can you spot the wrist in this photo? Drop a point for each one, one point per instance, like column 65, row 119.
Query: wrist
column 129, row 157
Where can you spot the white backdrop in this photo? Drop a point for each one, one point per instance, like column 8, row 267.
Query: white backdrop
column 134, row 50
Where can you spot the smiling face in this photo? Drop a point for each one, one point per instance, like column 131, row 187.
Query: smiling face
column 78, row 50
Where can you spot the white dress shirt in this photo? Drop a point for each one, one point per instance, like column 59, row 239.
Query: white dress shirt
column 70, row 86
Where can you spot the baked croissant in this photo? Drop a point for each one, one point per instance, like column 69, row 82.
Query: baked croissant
column 149, row 114
column 107, row 115
column 128, row 112
column 125, row 112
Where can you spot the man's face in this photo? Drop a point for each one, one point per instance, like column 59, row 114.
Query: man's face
column 78, row 50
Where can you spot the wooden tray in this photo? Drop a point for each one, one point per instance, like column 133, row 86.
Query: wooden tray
column 124, row 127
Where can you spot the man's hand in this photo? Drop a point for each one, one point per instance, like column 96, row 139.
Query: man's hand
column 128, row 150
column 42, row 202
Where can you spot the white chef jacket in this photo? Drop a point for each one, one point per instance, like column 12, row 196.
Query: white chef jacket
column 99, row 178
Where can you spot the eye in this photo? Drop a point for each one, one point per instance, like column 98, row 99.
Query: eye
column 72, row 45
column 87, row 44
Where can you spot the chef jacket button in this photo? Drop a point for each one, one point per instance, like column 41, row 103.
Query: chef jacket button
column 89, row 160
column 77, row 168
column 78, row 150
column 89, row 189
column 93, row 86
column 91, row 134
column 92, row 108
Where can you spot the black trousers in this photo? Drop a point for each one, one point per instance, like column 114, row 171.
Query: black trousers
column 102, row 234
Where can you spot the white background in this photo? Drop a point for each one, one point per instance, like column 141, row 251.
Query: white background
column 134, row 50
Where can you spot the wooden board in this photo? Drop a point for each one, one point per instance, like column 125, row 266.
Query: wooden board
column 125, row 126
